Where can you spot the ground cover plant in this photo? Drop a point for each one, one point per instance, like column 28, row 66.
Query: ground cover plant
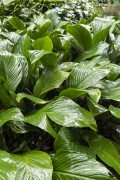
column 59, row 98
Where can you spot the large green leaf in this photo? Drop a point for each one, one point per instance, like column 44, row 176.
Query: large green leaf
column 73, row 93
column 95, row 50
column 39, row 27
column 45, row 57
column 69, row 139
column 82, row 35
column 112, row 90
column 11, row 114
column 86, row 75
column 50, row 79
column 115, row 111
column 23, row 45
column 6, row 45
column 8, row 166
column 43, row 44
column 10, row 70
column 74, row 161
column 104, row 149
column 95, row 108
column 77, row 166
column 53, row 16
column 5, row 98
column 99, row 24
column 21, row 96
column 17, row 23
column 64, row 112
column 11, row 36
column 112, row 94
column 33, row 165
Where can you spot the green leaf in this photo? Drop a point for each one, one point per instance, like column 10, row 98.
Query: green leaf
column 10, row 70
column 64, row 112
column 101, row 35
column 20, row 96
column 13, row 114
column 114, row 111
column 8, row 166
column 40, row 120
column 5, row 98
column 39, row 27
column 113, row 93
column 22, row 46
column 77, row 166
column 43, row 44
column 95, row 50
column 50, row 79
column 11, row 36
column 82, row 35
column 73, row 93
column 95, row 94
column 74, row 161
column 17, row 23
column 54, row 18
column 69, row 139
column 99, row 24
column 104, row 149
column 6, row 45
column 95, row 108
column 5, row 2
column 86, row 75
column 45, row 57
column 35, row 165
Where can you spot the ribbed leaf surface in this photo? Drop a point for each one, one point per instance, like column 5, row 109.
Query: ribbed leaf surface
column 64, row 112
column 10, row 70
column 33, row 165
column 86, row 75
column 50, row 79
column 11, row 114
column 74, row 161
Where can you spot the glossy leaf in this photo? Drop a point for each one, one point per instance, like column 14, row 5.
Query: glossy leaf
column 101, row 35
column 10, row 70
column 6, row 45
column 13, row 114
column 64, row 112
column 45, row 57
column 115, row 111
column 43, row 44
column 95, row 108
column 33, row 165
column 75, row 161
column 23, row 45
column 74, row 93
column 53, row 16
column 21, row 96
column 104, row 149
column 50, row 79
column 81, row 34
column 112, row 93
column 95, row 50
column 8, row 166
column 86, row 75
column 17, row 23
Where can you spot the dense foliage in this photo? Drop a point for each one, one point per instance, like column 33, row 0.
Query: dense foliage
column 66, row 10
column 59, row 98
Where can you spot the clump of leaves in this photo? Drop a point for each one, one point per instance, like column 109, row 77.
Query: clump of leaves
column 59, row 98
